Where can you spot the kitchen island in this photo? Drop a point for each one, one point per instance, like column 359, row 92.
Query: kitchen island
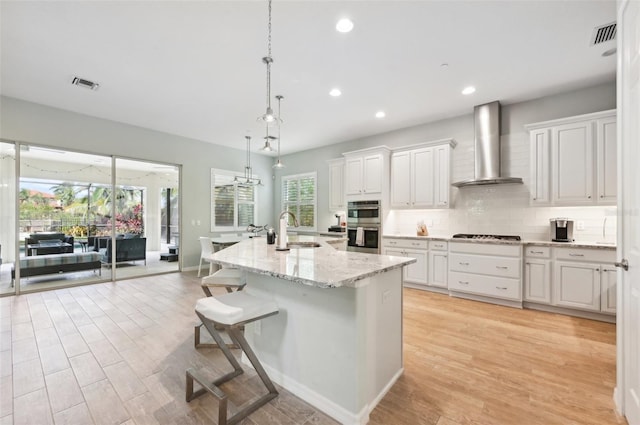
column 337, row 342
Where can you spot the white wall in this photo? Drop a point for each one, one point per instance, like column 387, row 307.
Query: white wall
column 500, row 209
column 39, row 124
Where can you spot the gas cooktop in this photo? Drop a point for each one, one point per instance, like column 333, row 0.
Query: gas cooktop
column 486, row 237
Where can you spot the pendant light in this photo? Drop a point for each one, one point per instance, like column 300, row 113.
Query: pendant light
column 279, row 163
column 248, row 179
column 267, row 142
column 268, row 118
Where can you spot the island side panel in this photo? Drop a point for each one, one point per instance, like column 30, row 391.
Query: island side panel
column 336, row 348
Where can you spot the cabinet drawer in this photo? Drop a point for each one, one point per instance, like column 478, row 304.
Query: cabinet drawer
column 601, row 256
column 438, row 245
column 489, row 286
column 537, row 251
column 405, row 243
column 486, row 265
column 486, row 248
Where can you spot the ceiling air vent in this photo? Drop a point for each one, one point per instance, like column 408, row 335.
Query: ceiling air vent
column 81, row 82
column 603, row 33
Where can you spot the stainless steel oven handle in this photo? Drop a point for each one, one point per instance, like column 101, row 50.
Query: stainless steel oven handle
column 375, row 229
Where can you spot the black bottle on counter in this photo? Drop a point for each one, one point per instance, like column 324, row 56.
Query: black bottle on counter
column 271, row 236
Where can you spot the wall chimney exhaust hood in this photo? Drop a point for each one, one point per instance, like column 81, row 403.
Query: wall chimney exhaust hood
column 486, row 120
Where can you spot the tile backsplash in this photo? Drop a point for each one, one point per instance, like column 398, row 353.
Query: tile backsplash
column 503, row 210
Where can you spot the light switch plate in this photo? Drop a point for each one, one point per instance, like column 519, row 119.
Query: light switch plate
column 580, row 225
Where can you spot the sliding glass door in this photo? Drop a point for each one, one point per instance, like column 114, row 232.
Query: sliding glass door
column 83, row 218
column 7, row 215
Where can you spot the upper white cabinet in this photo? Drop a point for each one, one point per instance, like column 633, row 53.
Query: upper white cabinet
column 366, row 173
column 336, row 184
column 606, row 153
column 573, row 160
column 420, row 176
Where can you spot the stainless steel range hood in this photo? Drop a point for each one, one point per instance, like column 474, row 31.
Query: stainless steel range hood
column 487, row 145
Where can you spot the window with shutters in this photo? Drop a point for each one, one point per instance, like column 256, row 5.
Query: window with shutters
column 299, row 197
column 233, row 204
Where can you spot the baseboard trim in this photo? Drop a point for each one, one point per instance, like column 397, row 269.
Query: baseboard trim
column 571, row 312
column 498, row 301
column 322, row 403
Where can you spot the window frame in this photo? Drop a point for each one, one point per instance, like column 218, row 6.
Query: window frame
column 284, row 203
column 236, row 202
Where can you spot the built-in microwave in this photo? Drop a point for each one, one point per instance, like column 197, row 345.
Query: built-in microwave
column 363, row 212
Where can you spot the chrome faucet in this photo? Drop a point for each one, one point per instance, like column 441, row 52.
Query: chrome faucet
column 282, row 231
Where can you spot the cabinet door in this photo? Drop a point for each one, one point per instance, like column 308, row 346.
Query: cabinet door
column 606, row 159
column 577, row 285
column 372, row 175
column 573, row 164
column 422, row 178
column 608, row 285
column 401, row 180
column 442, row 176
column 336, row 185
column 416, row 272
column 540, row 184
column 537, row 280
column 438, row 269
column 353, row 176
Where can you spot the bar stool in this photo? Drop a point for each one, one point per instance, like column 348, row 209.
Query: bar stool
column 229, row 278
column 232, row 311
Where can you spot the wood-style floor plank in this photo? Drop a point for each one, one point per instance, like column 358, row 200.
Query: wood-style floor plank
column 117, row 353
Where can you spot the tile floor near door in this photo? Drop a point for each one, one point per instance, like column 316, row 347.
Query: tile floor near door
column 116, row 353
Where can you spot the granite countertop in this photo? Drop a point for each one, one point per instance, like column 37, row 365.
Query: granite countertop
column 575, row 244
column 323, row 267
column 341, row 235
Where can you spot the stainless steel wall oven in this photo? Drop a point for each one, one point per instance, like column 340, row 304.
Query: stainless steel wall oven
column 364, row 226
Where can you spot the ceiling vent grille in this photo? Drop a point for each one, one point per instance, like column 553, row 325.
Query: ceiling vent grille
column 604, row 33
column 81, row 82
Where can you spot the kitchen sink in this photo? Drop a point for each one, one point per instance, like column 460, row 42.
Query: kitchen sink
column 303, row 245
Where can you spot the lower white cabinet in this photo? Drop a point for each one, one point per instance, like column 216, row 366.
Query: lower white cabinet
column 577, row 285
column 489, row 270
column 585, row 279
column 537, row 274
column 438, row 269
column 415, row 273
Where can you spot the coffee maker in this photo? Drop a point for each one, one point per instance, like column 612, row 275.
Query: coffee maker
column 561, row 229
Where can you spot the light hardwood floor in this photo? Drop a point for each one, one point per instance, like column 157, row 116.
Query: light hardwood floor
column 117, row 353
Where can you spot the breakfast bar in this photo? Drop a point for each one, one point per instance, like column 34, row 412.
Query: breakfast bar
column 337, row 342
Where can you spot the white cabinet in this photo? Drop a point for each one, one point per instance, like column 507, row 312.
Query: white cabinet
column 420, row 176
column 585, row 278
column 537, row 274
column 438, row 264
column 488, row 270
column 608, row 281
column 366, row 173
column 607, row 159
column 401, row 186
column 573, row 160
column 415, row 273
column 540, row 167
column 577, row 285
column 572, row 150
column 336, row 184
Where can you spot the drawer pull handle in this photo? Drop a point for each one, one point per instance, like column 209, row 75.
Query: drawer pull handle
column 502, row 267
column 462, row 282
column 576, row 255
column 502, row 288
column 536, row 252
column 438, row 246
column 463, row 264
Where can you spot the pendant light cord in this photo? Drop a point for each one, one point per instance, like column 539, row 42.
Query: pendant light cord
column 268, row 59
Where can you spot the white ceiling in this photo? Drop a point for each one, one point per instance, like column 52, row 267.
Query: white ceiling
column 193, row 68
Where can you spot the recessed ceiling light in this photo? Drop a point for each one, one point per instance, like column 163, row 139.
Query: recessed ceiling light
column 444, row 65
column 335, row 92
column 609, row 52
column 380, row 114
column 344, row 25
column 469, row 90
